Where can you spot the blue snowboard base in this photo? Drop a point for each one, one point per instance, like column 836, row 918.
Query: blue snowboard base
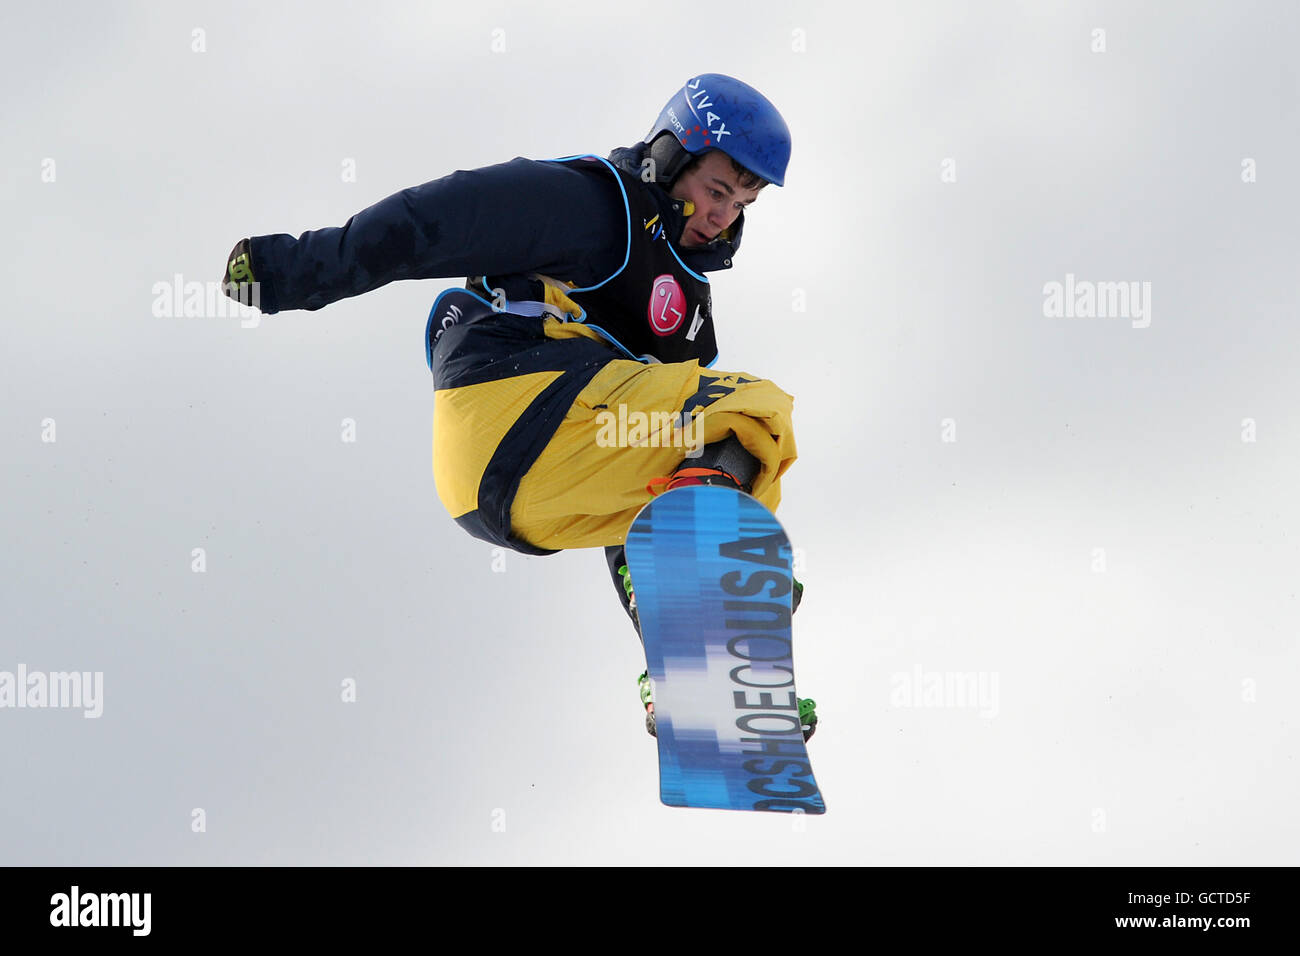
column 711, row 570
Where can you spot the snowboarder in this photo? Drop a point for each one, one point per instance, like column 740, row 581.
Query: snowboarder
column 571, row 373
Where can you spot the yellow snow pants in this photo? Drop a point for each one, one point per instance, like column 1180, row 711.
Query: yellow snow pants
column 549, row 441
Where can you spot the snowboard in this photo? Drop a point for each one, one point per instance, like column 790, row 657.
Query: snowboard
column 711, row 571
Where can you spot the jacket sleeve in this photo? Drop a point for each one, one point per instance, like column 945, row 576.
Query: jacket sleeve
column 520, row 216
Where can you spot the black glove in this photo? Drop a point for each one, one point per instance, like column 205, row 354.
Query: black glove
column 238, row 281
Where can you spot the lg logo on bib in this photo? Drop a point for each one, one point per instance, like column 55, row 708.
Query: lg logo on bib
column 667, row 305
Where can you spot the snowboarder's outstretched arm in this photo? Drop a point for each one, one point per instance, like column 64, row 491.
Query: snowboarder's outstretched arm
column 520, row 216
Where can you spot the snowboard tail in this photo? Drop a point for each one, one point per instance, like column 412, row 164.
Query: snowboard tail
column 711, row 568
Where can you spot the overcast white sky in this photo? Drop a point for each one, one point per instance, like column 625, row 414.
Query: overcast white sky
column 1096, row 516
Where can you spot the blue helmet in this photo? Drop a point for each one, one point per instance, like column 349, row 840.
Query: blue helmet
column 713, row 111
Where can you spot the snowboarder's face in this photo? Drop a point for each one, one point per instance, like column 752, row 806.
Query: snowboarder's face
column 713, row 185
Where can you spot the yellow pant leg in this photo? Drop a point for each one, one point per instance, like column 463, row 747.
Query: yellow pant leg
column 468, row 425
column 587, row 486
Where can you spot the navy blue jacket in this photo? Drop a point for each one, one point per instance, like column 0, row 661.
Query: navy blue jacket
column 515, row 217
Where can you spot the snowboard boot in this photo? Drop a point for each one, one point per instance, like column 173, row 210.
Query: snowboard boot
column 725, row 462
